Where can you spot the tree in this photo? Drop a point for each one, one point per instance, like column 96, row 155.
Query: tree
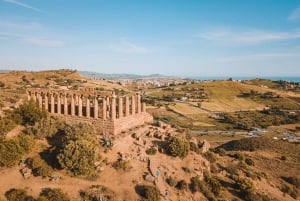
column 79, row 151
column 178, row 147
column 29, row 113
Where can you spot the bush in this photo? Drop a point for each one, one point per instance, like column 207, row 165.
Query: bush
column 210, row 156
column 46, row 127
column 199, row 186
column 39, row 167
column 29, row 112
column 121, row 165
column 79, row 150
column 54, row 194
column 172, row 181
column 293, row 180
column 151, row 193
column 151, row 151
column 12, row 150
column 97, row 193
column 6, row 125
column 214, row 185
column 16, row 195
column 178, row 147
column 249, row 161
column 182, row 185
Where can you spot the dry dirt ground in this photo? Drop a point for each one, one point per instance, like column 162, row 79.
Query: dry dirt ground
column 122, row 182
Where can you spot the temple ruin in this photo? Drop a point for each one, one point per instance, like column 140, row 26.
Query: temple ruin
column 110, row 114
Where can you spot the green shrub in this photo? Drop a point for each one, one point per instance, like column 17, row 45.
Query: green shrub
column 54, row 194
column 214, row 185
column 79, row 150
column 16, row 195
column 293, row 180
column 12, row 150
column 29, row 112
column 199, row 186
column 249, row 161
column 172, row 181
column 178, row 147
column 46, row 127
column 151, row 193
column 39, row 167
column 182, row 185
column 6, row 125
column 151, row 151
column 121, row 165
column 97, row 193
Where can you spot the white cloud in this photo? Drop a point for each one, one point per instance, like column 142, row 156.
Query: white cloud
column 23, row 5
column 129, row 47
column 44, row 42
column 295, row 15
column 249, row 37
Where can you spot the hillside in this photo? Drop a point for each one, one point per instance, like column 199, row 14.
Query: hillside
column 218, row 140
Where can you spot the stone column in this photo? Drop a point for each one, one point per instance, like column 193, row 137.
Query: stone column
column 52, row 103
column 33, row 97
column 104, row 115
column 65, row 105
column 138, row 99
column 113, row 107
column 28, row 95
column 120, row 107
column 96, row 107
column 58, row 104
column 72, row 105
column 40, row 100
column 126, row 106
column 109, row 107
column 133, row 104
column 79, row 106
column 143, row 107
column 46, row 103
column 88, row 113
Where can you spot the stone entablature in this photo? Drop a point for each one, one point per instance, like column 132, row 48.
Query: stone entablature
column 109, row 113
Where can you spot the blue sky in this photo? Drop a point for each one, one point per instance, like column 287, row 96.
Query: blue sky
column 173, row 37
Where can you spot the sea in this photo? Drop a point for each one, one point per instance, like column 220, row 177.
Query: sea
column 274, row 78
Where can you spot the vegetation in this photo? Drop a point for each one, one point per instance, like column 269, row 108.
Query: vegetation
column 79, row 150
column 97, row 193
column 54, row 194
column 12, row 150
column 16, row 195
column 122, row 165
column 150, row 193
column 178, row 146
column 28, row 113
column 39, row 167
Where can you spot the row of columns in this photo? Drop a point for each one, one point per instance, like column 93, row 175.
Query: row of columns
column 111, row 106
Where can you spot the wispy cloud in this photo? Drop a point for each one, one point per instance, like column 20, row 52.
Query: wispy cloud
column 19, row 26
column 225, row 35
column 260, row 57
column 44, row 42
column 295, row 15
column 18, row 3
column 128, row 47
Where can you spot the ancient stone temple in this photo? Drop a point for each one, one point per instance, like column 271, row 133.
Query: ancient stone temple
column 110, row 114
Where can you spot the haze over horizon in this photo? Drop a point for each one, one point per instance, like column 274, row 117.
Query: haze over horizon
column 170, row 37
